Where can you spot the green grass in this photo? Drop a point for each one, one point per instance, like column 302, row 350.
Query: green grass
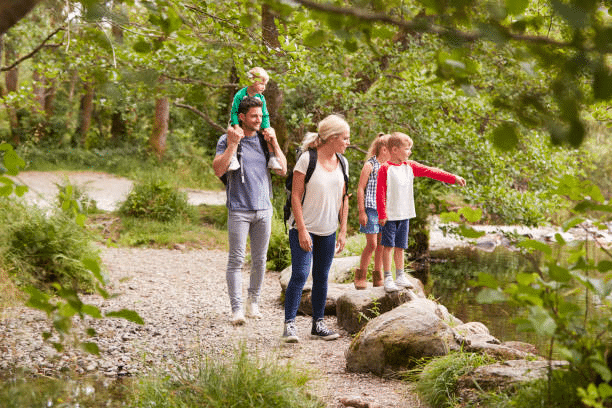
column 437, row 382
column 245, row 381
column 189, row 169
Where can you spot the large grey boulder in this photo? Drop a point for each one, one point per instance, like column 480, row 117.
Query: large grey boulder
column 356, row 307
column 391, row 341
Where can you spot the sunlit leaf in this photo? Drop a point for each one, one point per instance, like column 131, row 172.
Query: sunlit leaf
column 558, row 273
column 447, row 217
column 91, row 348
column 516, row 7
column 488, row 295
column 535, row 245
column 126, row 314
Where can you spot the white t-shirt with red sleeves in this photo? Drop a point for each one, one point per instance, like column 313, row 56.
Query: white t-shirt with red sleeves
column 394, row 188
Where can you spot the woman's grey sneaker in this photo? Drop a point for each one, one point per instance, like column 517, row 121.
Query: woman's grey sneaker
column 320, row 331
column 290, row 333
column 403, row 282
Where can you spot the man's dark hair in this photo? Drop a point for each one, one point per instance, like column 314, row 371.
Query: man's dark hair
column 248, row 103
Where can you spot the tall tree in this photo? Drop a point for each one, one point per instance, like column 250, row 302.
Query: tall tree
column 11, row 11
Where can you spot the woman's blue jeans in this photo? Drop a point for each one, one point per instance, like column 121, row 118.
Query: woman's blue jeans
column 321, row 257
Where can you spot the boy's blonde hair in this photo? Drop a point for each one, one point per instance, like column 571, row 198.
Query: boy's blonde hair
column 333, row 125
column 377, row 144
column 397, row 138
column 258, row 72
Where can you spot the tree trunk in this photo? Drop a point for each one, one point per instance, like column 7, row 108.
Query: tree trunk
column 273, row 94
column 157, row 141
column 86, row 111
column 11, row 11
column 11, row 81
column 38, row 87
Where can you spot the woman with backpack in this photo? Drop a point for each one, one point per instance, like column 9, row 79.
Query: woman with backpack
column 319, row 207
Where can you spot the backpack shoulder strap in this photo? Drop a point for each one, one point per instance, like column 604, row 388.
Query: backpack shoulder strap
column 312, row 163
column 264, row 145
column 341, row 159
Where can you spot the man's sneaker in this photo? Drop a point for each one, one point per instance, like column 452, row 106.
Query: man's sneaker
column 252, row 309
column 290, row 333
column 390, row 286
column 320, row 331
column 234, row 164
column 273, row 163
column 403, row 282
column 238, row 318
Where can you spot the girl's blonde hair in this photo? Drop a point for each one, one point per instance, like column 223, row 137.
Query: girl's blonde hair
column 377, row 144
column 397, row 138
column 333, row 125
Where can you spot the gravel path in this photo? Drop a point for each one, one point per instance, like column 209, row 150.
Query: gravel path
column 182, row 297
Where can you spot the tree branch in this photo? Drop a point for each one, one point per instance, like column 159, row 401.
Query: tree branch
column 419, row 26
column 34, row 51
column 199, row 82
column 11, row 11
column 202, row 115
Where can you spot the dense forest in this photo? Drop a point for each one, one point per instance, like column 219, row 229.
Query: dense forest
column 511, row 95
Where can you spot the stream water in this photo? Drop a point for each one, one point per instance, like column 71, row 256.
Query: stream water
column 449, row 278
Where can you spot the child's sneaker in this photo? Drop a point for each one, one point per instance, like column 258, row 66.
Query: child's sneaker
column 234, row 164
column 320, row 331
column 390, row 286
column 403, row 282
column 273, row 163
column 290, row 333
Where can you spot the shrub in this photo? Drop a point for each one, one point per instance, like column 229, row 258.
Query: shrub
column 40, row 250
column 155, row 200
column 279, row 253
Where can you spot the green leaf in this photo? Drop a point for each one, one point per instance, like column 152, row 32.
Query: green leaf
column 487, row 280
column 604, row 266
column 558, row 273
column 542, row 322
column 470, row 232
column 20, row 190
column 89, row 347
column 488, row 295
column 142, row 46
column 525, row 279
column 573, row 13
column 447, row 217
column 315, row 39
column 92, row 311
column 505, row 136
column 516, row 7
column 126, row 314
column 94, row 266
column 91, row 332
column 471, row 214
column 532, row 244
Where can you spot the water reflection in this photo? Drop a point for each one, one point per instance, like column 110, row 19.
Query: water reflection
column 449, row 275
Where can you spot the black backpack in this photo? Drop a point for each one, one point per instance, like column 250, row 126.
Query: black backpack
column 264, row 147
column 312, row 163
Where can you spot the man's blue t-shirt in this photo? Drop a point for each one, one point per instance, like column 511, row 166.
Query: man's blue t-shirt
column 250, row 187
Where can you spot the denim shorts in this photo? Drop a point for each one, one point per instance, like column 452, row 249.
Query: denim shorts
column 395, row 234
column 372, row 227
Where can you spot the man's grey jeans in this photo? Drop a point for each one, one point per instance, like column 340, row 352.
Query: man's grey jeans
column 257, row 225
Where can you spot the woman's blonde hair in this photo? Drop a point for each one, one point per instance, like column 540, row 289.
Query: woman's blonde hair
column 377, row 144
column 333, row 125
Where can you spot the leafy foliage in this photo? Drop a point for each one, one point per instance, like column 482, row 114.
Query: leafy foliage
column 155, row 200
column 567, row 301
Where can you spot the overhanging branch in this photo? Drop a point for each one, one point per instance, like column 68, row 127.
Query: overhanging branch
column 202, row 115
column 33, row 52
